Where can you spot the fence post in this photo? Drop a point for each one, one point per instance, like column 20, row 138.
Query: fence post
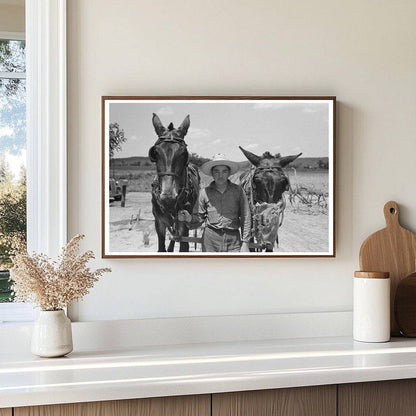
column 123, row 193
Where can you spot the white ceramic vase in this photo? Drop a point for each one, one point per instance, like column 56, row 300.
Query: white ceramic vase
column 52, row 334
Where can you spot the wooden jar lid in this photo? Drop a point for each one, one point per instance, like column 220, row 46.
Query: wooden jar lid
column 372, row 275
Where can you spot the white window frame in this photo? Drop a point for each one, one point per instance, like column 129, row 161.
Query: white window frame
column 46, row 127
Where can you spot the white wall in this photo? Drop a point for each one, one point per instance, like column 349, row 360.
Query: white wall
column 361, row 51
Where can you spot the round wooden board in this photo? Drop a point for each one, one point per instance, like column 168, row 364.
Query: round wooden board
column 405, row 306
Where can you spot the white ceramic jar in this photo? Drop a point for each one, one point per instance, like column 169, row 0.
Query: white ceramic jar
column 52, row 334
column 371, row 307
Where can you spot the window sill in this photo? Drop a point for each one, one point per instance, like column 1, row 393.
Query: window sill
column 16, row 313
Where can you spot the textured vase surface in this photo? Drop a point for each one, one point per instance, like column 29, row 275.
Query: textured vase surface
column 52, row 334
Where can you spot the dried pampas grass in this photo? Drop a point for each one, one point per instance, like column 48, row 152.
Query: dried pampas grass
column 53, row 285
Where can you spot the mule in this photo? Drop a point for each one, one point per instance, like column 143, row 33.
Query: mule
column 176, row 185
column 264, row 185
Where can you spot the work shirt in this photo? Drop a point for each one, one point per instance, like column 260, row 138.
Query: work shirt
column 227, row 210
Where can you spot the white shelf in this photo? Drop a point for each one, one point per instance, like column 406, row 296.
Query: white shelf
column 150, row 371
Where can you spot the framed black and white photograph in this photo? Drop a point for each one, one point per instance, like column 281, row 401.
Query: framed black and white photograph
column 218, row 176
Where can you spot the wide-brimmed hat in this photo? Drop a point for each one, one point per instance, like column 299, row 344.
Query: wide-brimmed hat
column 219, row 160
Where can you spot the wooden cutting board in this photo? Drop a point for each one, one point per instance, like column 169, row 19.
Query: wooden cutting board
column 405, row 306
column 393, row 250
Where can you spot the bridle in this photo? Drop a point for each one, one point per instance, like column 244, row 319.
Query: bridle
column 168, row 174
column 171, row 139
column 183, row 189
column 268, row 169
column 264, row 170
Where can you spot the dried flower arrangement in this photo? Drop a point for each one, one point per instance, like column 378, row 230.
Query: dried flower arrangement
column 52, row 285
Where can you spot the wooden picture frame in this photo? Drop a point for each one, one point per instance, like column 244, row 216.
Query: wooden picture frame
column 283, row 149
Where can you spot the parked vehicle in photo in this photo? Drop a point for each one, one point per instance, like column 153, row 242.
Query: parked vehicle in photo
column 115, row 190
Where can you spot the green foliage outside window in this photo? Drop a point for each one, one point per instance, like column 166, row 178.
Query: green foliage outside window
column 12, row 145
column 12, row 223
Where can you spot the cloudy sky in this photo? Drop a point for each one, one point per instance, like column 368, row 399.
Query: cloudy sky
column 13, row 108
column 285, row 127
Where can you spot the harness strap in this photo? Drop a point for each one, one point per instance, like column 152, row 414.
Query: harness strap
column 185, row 187
column 249, row 187
column 181, row 196
column 282, row 212
column 258, row 216
column 167, row 174
column 170, row 139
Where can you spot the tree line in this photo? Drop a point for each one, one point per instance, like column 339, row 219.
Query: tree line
column 12, row 222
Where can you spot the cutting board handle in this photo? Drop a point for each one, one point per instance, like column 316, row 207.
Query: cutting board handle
column 391, row 214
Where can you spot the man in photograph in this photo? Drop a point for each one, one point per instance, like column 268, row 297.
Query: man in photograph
column 224, row 208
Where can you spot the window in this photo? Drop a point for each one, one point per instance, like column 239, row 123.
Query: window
column 46, row 135
column 12, row 153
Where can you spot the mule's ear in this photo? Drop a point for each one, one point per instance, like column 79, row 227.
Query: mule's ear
column 183, row 128
column 254, row 159
column 284, row 161
column 157, row 124
column 152, row 154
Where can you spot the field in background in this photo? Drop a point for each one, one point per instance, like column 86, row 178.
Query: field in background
column 140, row 179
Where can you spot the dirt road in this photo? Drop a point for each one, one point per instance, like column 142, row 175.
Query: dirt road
column 300, row 232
